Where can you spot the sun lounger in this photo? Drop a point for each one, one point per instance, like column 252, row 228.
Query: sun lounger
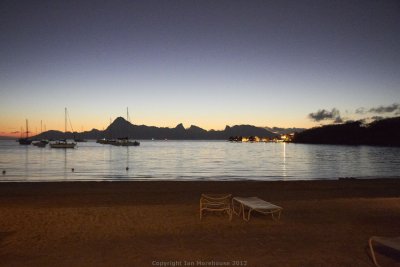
column 256, row 204
column 215, row 202
column 390, row 242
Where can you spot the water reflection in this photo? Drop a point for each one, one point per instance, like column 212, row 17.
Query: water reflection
column 284, row 174
column 27, row 158
column 198, row 160
column 64, row 151
column 127, row 159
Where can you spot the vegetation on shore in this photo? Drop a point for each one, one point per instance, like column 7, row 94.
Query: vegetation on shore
column 384, row 132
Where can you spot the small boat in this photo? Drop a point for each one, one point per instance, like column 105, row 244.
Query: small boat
column 25, row 141
column 130, row 143
column 63, row 143
column 106, row 141
column 79, row 140
column 109, row 140
column 125, row 142
column 101, row 141
column 40, row 143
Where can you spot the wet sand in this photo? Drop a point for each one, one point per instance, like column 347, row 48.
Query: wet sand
column 324, row 223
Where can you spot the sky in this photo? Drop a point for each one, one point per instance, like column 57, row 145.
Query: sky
column 206, row 63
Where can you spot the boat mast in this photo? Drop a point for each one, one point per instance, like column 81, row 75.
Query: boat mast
column 26, row 120
column 128, row 118
column 109, row 129
column 65, row 127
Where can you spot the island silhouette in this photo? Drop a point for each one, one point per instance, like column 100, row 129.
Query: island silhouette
column 120, row 127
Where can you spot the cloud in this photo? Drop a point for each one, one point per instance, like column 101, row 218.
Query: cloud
column 376, row 113
column 377, row 118
column 16, row 132
column 385, row 109
column 360, row 111
column 324, row 114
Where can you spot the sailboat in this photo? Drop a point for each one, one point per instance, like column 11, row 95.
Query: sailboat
column 63, row 143
column 43, row 142
column 39, row 143
column 125, row 140
column 107, row 141
column 25, row 141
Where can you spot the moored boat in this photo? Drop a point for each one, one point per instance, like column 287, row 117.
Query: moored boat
column 125, row 142
column 106, row 141
column 63, row 143
column 40, row 143
column 25, row 141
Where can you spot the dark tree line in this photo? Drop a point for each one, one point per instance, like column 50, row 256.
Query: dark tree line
column 384, row 132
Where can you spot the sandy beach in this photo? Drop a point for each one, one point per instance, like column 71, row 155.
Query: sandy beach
column 324, row 223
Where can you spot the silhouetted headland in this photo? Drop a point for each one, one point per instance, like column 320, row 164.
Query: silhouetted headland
column 384, row 132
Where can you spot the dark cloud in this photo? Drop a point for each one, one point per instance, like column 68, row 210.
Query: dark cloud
column 377, row 118
column 386, row 109
column 324, row 114
column 16, row 132
column 360, row 111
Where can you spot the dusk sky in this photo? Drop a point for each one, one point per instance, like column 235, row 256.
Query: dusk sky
column 207, row 63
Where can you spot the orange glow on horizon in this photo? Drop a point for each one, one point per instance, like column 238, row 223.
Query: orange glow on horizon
column 101, row 127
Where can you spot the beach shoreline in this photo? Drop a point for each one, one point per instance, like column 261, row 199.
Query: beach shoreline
column 136, row 223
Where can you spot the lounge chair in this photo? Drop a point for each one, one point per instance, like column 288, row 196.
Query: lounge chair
column 390, row 242
column 215, row 202
column 257, row 204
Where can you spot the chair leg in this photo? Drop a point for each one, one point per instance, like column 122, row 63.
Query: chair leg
column 278, row 217
column 233, row 208
column 248, row 215
column 372, row 252
column 230, row 214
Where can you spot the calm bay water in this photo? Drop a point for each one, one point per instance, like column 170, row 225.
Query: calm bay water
column 196, row 160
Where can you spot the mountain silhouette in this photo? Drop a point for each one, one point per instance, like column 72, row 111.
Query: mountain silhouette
column 122, row 128
column 119, row 128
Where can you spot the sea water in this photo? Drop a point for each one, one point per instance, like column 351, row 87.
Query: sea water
column 196, row 160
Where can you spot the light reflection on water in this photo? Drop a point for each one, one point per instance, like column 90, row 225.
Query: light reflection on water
column 196, row 160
